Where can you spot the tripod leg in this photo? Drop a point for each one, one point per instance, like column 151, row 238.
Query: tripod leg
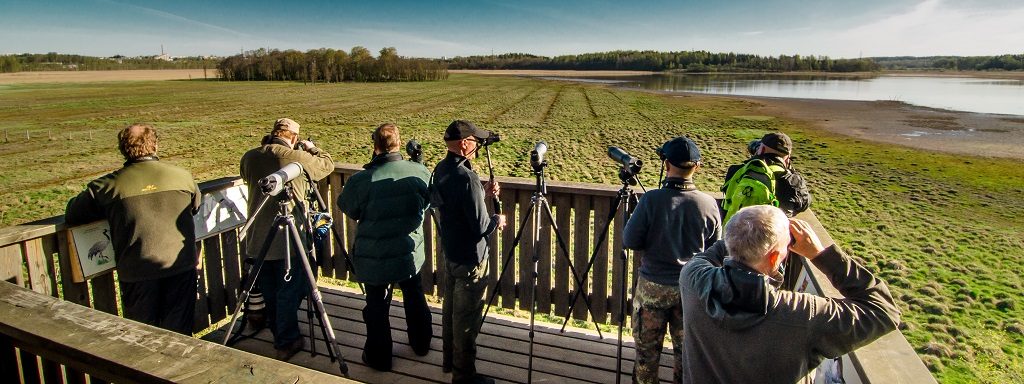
column 344, row 253
column 508, row 261
column 575, row 275
column 253, row 273
column 533, row 283
column 622, row 316
column 593, row 255
column 325, row 323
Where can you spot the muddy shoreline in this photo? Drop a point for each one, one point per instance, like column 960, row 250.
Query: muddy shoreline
column 968, row 133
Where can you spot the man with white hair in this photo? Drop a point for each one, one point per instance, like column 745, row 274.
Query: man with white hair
column 741, row 328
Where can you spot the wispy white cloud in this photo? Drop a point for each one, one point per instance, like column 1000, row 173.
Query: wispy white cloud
column 937, row 27
column 177, row 18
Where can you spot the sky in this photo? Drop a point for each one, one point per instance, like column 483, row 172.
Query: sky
column 426, row 28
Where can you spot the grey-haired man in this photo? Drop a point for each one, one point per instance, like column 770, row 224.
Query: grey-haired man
column 741, row 328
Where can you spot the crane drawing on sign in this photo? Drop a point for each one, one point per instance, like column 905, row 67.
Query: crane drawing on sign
column 96, row 250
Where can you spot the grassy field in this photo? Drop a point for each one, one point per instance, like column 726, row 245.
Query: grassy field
column 946, row 231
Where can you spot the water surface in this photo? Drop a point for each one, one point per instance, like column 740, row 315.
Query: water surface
column 1002, row 96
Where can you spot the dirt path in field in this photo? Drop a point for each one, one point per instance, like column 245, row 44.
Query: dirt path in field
column 97, row 76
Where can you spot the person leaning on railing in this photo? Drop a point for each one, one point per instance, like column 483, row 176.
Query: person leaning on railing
column 149, row 206
column 282, row 297
column 388, row 199
column 741, row 328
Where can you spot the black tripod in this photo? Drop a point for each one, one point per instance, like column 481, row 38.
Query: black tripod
column 285, row 220
column 623, row 200
column 536, row 203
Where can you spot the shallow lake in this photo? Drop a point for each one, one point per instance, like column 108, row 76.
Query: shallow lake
column 1003, row 96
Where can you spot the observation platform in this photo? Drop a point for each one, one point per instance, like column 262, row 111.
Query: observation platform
column 57, row 329
column 576, row 356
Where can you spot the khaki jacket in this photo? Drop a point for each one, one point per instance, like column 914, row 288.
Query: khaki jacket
column 264, row 160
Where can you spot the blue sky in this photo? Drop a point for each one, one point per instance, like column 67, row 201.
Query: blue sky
column 847, row 28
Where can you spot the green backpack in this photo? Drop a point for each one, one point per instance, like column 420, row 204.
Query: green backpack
column 752, row 184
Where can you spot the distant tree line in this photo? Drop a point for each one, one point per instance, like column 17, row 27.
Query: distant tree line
column 686, row 61
column 330, row 65
column 63, row 62
column 960, row 63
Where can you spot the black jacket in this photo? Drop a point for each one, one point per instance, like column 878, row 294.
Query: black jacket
column 671, row 225
column 790, row 187
column 459, row 198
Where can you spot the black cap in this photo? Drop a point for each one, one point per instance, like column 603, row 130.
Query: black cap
column 461, row 129
column 679, row 150
column 779, row 142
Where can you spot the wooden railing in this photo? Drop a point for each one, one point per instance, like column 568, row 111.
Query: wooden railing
column 35, row 256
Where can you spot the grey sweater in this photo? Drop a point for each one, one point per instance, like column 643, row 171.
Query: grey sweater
column 671, row 225
column 741, row 329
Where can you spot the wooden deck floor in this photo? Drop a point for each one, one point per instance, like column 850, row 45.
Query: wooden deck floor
column 576, row 356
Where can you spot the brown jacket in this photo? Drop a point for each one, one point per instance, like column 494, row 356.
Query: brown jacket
column 742, row 329
column 260, row 162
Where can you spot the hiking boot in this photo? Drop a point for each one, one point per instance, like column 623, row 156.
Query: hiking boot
column 289, row 350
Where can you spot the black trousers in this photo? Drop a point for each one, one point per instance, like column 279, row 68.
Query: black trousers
column 168, row 303
column 377, row 350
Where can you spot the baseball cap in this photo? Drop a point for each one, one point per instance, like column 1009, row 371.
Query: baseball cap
column 287, row 124
column 778, row 141
column 679, row 150
column 461, row 129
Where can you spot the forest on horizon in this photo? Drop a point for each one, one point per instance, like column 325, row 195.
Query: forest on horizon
column 678, row 61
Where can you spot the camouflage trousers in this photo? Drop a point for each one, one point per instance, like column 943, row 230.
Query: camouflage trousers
column 656, row 308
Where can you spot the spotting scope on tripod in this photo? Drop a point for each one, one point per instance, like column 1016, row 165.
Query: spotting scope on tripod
column 284, row 223
column 538, row 204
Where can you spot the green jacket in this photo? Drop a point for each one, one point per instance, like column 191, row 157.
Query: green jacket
column 149, row 206
column 264, row 160
column 388, row 200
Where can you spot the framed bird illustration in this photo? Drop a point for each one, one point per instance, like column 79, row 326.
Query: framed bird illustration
column 91, row 251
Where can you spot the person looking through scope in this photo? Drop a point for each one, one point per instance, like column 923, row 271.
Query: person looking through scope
column 388, row 199
column 464, row 227
column 767, row 177
column 282, row 298
column 149, row 206
column 742, row 328
column 670, row 224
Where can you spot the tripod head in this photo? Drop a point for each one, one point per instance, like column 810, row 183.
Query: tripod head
column 537, row 163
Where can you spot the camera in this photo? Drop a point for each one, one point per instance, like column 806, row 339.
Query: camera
column 494, row 137
column 414, row 150
column 752, row 146
column 630, row 165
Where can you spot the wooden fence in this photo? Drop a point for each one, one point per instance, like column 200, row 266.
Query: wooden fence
column 34, row 255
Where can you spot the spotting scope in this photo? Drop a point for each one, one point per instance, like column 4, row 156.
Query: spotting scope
column 274, row 184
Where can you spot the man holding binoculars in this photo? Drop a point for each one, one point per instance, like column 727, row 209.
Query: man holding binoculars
column 278, row 149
